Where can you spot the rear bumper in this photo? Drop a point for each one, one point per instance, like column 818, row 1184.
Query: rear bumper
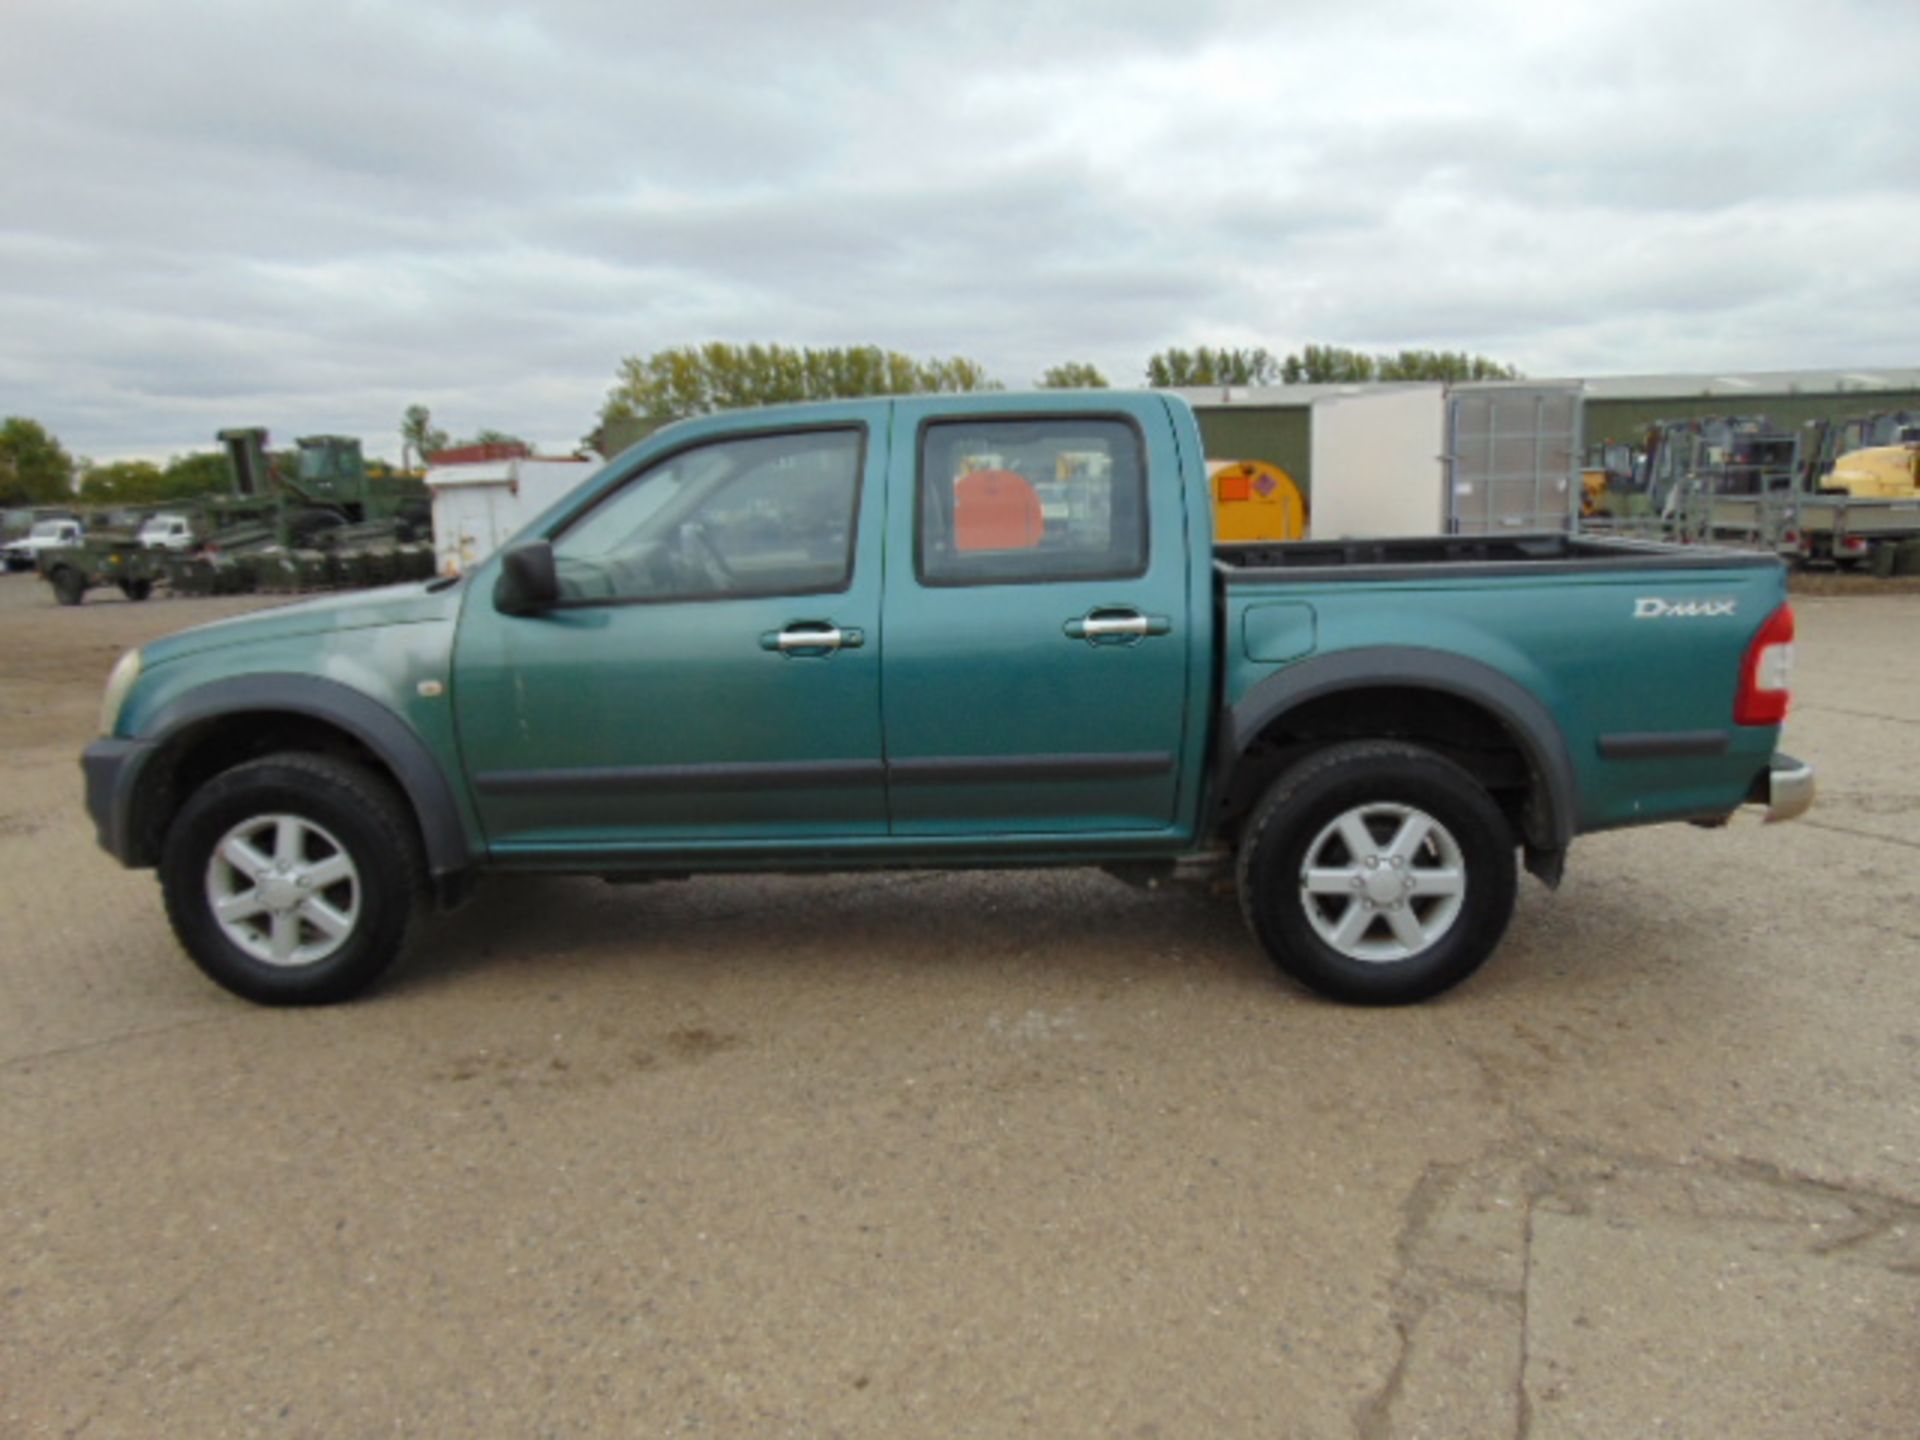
column 1789, row 788
column 112, row 768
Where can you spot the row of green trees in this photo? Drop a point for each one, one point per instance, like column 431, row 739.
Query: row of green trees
column 1317, row 365
column 700, row 379
column 688, row 380
column 34, row 468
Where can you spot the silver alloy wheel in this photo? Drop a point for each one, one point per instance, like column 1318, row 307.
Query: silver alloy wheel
column 1383, row 882
column 283, row 889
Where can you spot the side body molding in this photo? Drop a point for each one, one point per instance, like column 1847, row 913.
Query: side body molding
column 450, row 850
column 1555, row 789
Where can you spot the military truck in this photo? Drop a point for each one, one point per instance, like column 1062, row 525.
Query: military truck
column 115, row 559
column 329, row 525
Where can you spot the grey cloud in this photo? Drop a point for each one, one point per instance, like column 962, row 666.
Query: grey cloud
column 309, row 215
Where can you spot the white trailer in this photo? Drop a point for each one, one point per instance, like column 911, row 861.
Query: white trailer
column 478, row 507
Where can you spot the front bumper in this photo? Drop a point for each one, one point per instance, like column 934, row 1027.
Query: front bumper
column 112, row 768
column 1789, row 788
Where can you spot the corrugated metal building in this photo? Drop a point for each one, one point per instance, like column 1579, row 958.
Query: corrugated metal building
column 1621, row 407
column 1275, row 423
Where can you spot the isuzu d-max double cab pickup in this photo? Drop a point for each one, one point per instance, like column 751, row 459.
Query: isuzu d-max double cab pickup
column 984, row 630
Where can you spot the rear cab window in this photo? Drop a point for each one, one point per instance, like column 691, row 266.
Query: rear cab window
column 1004, row 502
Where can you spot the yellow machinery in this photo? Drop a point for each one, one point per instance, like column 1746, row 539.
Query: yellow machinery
column 1880, row 472
column 1593, row 491
column 1253, row 500
column 1607, row 479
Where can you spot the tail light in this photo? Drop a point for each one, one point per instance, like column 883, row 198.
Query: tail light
column 1767, row 672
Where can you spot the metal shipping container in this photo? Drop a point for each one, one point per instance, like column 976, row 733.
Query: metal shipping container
column 1512, row 457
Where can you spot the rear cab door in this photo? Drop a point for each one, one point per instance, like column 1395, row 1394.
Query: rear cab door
column 1045, row 626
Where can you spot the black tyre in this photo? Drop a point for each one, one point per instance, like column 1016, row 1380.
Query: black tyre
column 291, row 880
column 136, row 589
column 69, row 585
column 1377, row 873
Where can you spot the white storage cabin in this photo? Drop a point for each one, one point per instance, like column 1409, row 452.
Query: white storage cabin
column 478, row 506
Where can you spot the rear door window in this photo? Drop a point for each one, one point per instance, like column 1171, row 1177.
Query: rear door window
column 1022, row 501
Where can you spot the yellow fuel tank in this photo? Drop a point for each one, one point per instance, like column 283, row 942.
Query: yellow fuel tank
column 1253, row 500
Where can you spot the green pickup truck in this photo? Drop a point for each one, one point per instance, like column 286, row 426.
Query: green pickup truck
column 984, row 630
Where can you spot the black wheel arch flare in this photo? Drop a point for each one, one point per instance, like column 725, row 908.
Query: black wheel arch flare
column 421, row 778
column 1554, row 793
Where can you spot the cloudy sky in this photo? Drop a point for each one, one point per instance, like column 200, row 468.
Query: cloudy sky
column 308, row 215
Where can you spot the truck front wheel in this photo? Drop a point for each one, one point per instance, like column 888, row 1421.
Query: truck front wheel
column 136, row 589
column 1377, row 873
column 69, row 585
column 291, row 880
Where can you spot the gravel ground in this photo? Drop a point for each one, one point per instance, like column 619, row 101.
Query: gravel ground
column 962, row 1154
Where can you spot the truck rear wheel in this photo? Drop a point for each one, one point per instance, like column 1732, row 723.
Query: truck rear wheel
column 1377, row 873
column 69, row 585
column 291, row 880
column 136, row 589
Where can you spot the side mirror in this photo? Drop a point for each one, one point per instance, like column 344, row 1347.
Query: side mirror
column 528, row 583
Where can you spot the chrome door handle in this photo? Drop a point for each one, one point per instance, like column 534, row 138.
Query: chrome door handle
column 1101, row 627
column 1115, row 623
column 807, row 639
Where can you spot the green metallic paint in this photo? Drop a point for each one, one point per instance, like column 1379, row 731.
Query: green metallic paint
column 969, row 672
column 991, row 671
column 415, row 604
column 678, row 683
column 386, row 664
column 1574, row 644
column 1278, row 633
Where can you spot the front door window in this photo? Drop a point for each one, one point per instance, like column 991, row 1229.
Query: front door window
column 760, row 515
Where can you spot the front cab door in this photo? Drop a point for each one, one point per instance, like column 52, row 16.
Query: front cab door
column 711, row 674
